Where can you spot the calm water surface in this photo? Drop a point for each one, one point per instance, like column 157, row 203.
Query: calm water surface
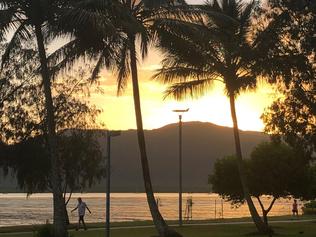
column 17, row 209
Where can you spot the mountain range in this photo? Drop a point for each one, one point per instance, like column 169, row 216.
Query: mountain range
column 203, row 143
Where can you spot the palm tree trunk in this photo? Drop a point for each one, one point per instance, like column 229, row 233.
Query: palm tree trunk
column 60, row 229
column 262, row 228
column 163, row 229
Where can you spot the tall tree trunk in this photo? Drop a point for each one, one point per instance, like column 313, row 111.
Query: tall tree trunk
column 262, row 228
column 67, row 221
column 60, row 229
column 66, row 201
column 163, row 229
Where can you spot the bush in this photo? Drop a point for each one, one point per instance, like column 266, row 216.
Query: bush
column 309, row 208
column 45, row 231
column 311, row 204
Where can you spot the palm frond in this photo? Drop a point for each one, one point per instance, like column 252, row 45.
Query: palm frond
column 190, row 89
column 179, row 74
column 246, row 17
column 97, row 68
column 65, row 57
column 87, row 20
column 106, row 59
column 123, row 69
column 8, row 21
column 21, row 34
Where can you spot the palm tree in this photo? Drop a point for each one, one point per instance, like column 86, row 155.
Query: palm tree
column 139, row 15
column 28, row 20
column 215, row 47
column 114, row 45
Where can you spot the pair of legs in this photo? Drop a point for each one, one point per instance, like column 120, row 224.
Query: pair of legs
column 295, row 212
column 81, row 219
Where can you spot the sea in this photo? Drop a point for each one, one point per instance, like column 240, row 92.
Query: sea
column 20, row 209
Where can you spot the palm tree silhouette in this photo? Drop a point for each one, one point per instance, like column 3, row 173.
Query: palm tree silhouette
column 214, row 47
column 141, row 14
column 28, row 20
column 113, row 44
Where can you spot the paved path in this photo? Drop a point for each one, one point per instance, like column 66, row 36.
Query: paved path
column 175, row 225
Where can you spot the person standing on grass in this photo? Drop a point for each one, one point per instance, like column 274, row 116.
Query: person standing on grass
column 295, row 208
column 82, row 206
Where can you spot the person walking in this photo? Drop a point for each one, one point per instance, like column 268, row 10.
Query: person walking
column 82, row 206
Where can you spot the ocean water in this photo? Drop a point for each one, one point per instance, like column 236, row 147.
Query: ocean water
column 18, row 209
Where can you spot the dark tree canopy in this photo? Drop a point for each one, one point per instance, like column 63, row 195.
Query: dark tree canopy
column 290, row 39
column 274, row 169
column 82, row 162
column 16, row 74
column 278, row 170
column 23, row 113
column 23, row 130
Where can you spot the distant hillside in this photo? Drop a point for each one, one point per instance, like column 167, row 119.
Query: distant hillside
column 203, row 143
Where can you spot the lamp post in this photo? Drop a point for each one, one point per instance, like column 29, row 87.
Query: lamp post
column 108, row 179
column 180, row 113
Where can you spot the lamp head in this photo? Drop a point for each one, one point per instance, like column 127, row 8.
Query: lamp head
column 181, row 110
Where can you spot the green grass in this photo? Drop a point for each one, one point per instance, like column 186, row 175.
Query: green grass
column 305, row 229
column 29, row 228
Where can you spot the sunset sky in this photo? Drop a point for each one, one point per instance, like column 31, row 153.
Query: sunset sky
column 118, row 112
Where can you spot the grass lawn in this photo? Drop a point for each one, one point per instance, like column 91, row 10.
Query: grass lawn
column 289, row 229
column 29, row 228
column 304, row 229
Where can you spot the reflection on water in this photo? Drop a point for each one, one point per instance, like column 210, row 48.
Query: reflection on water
column 17, row 209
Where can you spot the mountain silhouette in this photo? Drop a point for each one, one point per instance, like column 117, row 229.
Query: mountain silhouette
column 203, row 143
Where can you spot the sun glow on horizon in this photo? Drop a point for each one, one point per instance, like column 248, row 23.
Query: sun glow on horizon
column 118, row 112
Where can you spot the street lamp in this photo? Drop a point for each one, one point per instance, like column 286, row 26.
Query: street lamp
column 108, row 179
column 180, row 113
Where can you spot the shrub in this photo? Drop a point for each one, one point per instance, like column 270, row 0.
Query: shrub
column 311, row 204
column 45, row 231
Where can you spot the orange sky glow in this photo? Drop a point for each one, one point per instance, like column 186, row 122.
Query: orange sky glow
column 118, row 112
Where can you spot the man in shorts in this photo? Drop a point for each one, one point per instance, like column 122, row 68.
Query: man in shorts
column 82, row 206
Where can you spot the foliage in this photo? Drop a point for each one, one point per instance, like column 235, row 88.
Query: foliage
column 12, row 77
column 23, row 126
column 273, row 169
column 45, row 231
column 117, row 50
column 225, row 180
column 311, row 204
column 81, row 159
column 277, row 170
column 294, row 121
column 213, row 47
column 28, row 21
column 291, row 63
column 23, row 114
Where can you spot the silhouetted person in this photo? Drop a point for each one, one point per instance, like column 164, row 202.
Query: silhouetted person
column 82, row 206
column 188, row 209
column 158, row 202
column 295, row 208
